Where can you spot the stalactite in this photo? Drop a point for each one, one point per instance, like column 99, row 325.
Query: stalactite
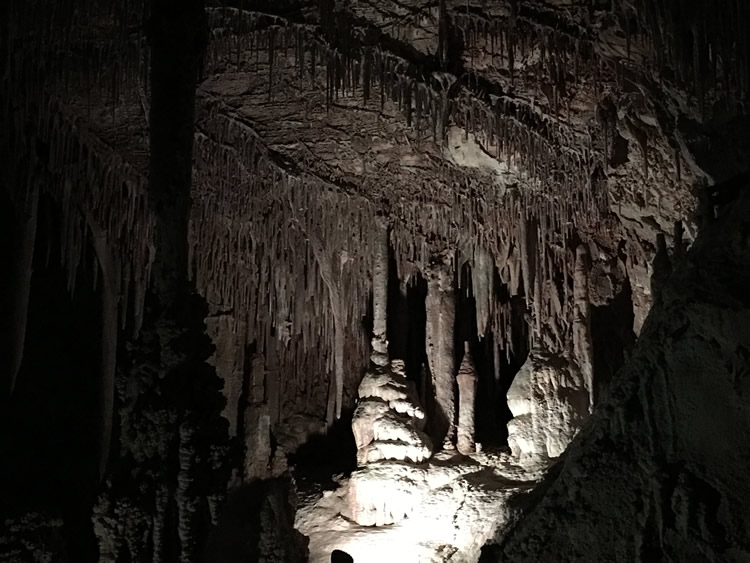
column 110, row 297
column 483, row 284
column 582, row 340
column 379, row 355
column 22, row 275
column 528, row 255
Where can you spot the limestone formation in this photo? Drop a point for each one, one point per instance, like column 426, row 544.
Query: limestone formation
column 543, row 157
column 388, row 421
column 467, row 386
column 257, row 427
column 659, row 472
column 549, row 401
column 582, row 340
column 441, row 511
column 385, row 493
column 379, row 355
column 440, row 306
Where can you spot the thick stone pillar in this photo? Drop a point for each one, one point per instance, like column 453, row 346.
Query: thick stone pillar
column 379, row 353
column 582, row 340
column 467, row 388
column 257, row 427
column 441, row 311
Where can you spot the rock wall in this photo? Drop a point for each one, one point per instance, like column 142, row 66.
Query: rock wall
column 659, row 472
column 510, row 132
column 549, row 401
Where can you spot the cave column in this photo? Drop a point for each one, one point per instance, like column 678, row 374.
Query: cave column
column 257, row 427
column 441, row 311
column 379, row 353
column 467, row 388
column 582, row 340
column 529, row 241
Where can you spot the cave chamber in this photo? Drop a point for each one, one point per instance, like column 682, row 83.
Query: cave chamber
column 404, row 281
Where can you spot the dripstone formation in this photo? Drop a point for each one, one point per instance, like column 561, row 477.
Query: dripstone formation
column 400, row 260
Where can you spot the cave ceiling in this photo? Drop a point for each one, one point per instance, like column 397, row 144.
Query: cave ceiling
column 459, row 121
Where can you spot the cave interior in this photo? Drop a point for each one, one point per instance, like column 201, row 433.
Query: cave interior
column 402, row 280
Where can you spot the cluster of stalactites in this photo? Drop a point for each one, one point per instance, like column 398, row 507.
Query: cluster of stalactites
column 564, row 50
column 547, row 152
column 98, row 192
column 557, row 165
column 60, row 60
column 704, row 45
column 86, row 46
column 519, row 246
column 285, row 253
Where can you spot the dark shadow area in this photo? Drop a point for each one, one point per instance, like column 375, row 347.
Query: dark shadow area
column 260, row 511
column 9, row 244
column 48, row 428
column 325, row 455
column 495, row 366
column 407, row 318
column 613, row 338
column 338, row 556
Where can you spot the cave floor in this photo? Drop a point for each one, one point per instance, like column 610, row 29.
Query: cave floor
column 445, row 510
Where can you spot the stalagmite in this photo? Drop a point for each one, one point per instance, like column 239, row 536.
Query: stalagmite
column 582, row 341
column 379, row 354
column 440, row 308
column 467, row 386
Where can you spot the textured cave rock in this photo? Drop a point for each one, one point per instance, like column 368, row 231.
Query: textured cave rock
column 385, row 493
column 467, row 388
column 281, row 157
column 443, row 510
column 388, row 421
column 440, row 309
column 257, row 524
column 659, row 471
column 549, row 402
column 33, row 537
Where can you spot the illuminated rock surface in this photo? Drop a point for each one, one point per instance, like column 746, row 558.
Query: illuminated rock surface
column 388, row 420
column 217, row 217
column 660, row 470
column 444, row 510
column 549, row 402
